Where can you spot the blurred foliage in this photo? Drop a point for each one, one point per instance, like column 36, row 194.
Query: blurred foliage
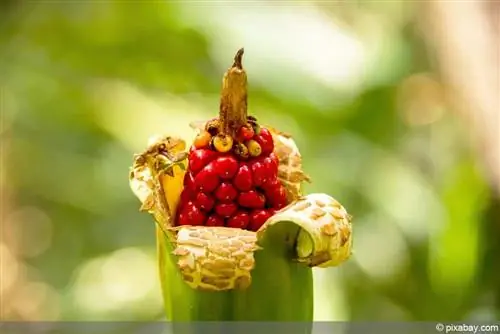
column 84, row 84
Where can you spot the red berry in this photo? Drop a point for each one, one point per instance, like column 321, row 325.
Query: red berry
column 258, row 218
column 191, row 215
column 206, row 180
column 226, row 209
column 271, row 185
column 264, row 133
column 246, row 133
column 271, row 168
column 226, row 167
column 205, row 201
column 183, row 220
column 215, row 220
column 252, row 199
column 277, row 198
column 200, row 158
column 259, row 173
column 239, row 220
column 226, row 192
column 187, row 194
column 265, row 139
column 188, row 180
column 243, row 179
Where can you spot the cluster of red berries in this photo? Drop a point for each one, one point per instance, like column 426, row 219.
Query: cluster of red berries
column 227, row 184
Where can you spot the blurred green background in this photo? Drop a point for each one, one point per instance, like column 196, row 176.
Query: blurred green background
column 84, row 84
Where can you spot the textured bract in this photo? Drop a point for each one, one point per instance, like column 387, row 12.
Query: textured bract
column 221, row 258
column 290, row 167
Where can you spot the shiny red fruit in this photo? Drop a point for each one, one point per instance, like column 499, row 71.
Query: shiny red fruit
column 191, row 215
column 258, row 218
column 226, row 209
column 226, row 167
column 265, row 139
column 252, row 199
column 215, row 220
column 270, row 186
column 188, row 180
column 187, row 194
column 226, row 192
column 271, row 168
column 200, row 158
column 277, row 198
column 204, row 201
column 239, row 220
column 243, row 179
column 207, row 180
column 182, row 219
column 259, row 173
column 246, row 133
column 265, row 134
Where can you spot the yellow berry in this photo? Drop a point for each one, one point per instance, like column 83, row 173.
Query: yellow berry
column 254, row 148
column 202, row 139
column 223, row 143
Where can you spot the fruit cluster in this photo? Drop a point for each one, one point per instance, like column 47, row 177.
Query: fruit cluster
column 231, row 180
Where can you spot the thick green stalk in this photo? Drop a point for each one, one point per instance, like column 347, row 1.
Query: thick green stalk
column 281, row 290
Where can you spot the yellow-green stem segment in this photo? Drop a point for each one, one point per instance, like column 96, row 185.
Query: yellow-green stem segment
column 281, row 290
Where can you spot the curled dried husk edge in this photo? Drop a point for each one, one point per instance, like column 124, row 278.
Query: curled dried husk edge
column 220, row 258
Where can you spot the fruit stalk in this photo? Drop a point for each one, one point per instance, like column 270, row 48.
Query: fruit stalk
column 233, row 103
column 253, row 262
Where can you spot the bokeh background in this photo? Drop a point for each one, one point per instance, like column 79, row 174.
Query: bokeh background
column 394, row 104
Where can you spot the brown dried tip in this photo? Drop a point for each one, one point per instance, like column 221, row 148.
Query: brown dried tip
column 233, row 103
column 237, row 58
